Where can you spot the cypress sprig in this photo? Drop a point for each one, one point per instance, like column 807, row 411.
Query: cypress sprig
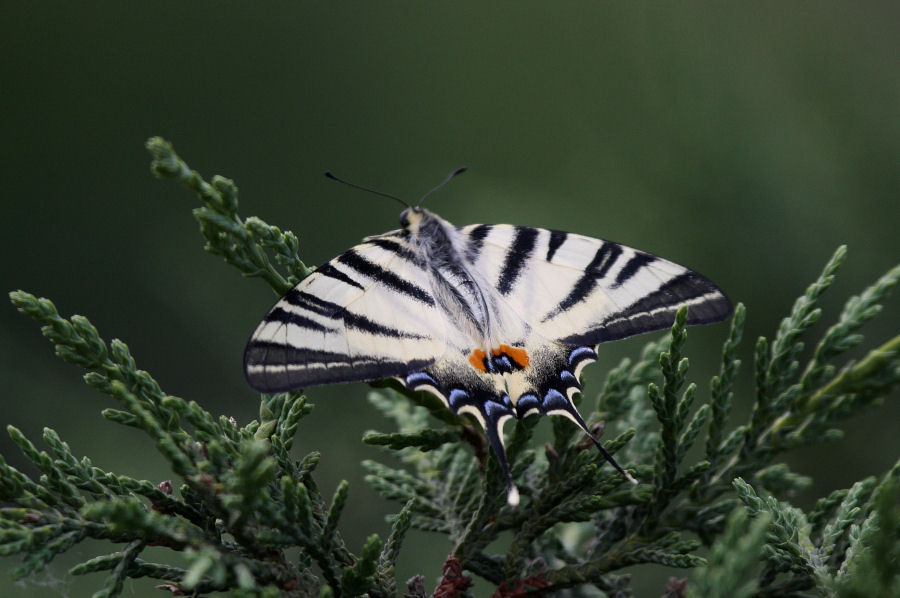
column 624, row 403
column 676, row 435
column 621, row 381
column 798, row 560
column 237, row 477
column 788, row 533
column 776, row 366
column 824, row 508
column 425, row 440
column 834, row 534
column 722, row 385
column 245, row 244
column 733, row 565
column 247, row 517
column 385, row 582
column 872, row 564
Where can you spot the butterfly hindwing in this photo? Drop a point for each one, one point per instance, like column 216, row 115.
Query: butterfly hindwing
column 366, row 314
column 545, row 386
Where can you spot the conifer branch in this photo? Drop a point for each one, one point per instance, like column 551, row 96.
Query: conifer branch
column 243, row 508
column 245, row 244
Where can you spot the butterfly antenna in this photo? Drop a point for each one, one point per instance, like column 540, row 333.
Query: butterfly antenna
column 361, row 188
column 450, row 176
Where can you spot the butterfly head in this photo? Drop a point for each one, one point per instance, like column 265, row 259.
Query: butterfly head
column 411, row 218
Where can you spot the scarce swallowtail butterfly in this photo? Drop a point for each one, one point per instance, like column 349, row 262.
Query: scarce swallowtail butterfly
column 496, row 320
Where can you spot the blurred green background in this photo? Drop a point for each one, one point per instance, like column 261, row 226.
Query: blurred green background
column 745, row 140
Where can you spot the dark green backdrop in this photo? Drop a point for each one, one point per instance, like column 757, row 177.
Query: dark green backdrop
column 747, row 141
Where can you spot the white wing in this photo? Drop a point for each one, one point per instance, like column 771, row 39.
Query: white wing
column 365, row 315
column 576, row 290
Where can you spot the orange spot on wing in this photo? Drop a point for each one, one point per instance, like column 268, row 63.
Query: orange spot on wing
column 516, row 354
column 520, row 356
column 476, row 358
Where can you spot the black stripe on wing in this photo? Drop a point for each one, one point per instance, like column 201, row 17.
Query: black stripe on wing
column 516, row 256
column 348, row 318
column 274, row 367
column 311, row 303
column 476, row 241
column 595, row 271
column 632, row 266
column 656, row 311
column 557, row 238
column 395, row 247
column 283, row 316
column 361, row 322
column 357, row 262
column 331, row 272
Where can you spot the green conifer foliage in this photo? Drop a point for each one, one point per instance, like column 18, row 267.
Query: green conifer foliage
column 250, row 519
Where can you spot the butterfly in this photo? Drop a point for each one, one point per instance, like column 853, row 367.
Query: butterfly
column 496, row 320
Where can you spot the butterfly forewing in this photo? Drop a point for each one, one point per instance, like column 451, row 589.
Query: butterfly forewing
column 577, row 290
column 365, row 315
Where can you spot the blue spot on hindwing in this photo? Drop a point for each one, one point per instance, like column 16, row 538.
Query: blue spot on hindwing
column 494, row 410
column 457, row 398
column 554, row 400
column 569, row 377
column 526, row 403
column 420, row 378
column 581, row 353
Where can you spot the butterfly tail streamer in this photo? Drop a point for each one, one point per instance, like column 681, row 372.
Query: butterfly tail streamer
column 491, row 410
column 572, row 414
column 494, row 418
